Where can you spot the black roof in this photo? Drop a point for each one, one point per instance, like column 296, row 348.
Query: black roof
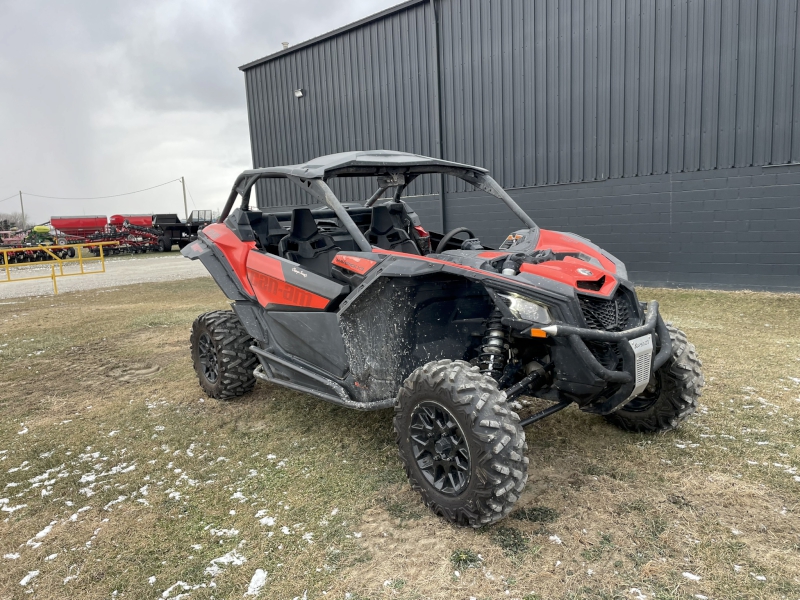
column 330, row 34
column 364, row 162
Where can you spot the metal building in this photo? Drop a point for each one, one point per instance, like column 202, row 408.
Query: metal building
column 667, row 131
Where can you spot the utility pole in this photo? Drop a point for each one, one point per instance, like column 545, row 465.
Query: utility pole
column 22, row 206
column 185, row 209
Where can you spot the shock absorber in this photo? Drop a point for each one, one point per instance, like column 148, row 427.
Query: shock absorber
column 494, row 347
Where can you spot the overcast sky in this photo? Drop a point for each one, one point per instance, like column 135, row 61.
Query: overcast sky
column 101, row 97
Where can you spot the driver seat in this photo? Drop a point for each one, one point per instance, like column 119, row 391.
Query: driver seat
column 306, row 246
column 384, row 234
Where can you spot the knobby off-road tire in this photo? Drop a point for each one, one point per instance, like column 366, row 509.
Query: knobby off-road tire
column 448, row 410
column 221, row 355
column 671, row 395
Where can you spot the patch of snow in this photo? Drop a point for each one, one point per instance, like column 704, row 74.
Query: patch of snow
column 637, row 594
column 113, row 502
column 151, row 580
column 555, row 539
column 691, row 576
column 225, row 532
column 27, row 579
column 758, row 577
column 42, row 534
column 231, row 558
column 256, row 583
column 14, row 556
column 51, row 557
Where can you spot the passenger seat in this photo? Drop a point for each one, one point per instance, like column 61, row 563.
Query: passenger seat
column 384, row 233
column 306, row 246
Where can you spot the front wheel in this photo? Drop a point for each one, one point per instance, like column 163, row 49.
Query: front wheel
column 461, row 444
column 221, row 355
column 672, row 394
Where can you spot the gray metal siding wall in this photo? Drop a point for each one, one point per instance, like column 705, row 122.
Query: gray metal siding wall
column 545, row 91
column 563, row 91
column 370, row 87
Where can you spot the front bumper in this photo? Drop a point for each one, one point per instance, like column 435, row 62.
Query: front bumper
column 636, row 348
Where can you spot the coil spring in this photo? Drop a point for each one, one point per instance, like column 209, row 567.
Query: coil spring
column 494, row 347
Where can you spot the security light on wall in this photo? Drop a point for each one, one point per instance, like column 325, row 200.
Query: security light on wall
column 299, row 93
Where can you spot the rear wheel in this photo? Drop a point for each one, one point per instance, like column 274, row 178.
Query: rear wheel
column 672, row 394
column 165, row 245
column 221, row 355
column 460, row 443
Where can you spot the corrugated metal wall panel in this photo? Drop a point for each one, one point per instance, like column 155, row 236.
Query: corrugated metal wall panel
column 765, row 81
column 711, row 78
column 729, row 60
column 630, row 151
column 694, row 84
column 796, row 104
column 590, row 91
column 661, row 86
column 577, row 36
column 603, row 87
column 647, row 40
column 541, row 91
column 564, row 90
column 617, row 91
column 677, row 87
column 784, row 80
column 746, row 83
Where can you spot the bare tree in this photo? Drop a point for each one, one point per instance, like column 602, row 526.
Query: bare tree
column 11, row 221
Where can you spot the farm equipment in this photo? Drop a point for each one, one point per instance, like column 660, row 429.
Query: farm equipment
column 174, row 231
column 29, row 246
column 134, row 233
column 349, row 304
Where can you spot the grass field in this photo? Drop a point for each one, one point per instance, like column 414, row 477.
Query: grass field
column 119, row 479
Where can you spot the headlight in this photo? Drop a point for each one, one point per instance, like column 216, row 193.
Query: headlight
column 527, row 310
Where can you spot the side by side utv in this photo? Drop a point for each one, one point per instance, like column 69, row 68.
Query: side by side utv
column 360, row 305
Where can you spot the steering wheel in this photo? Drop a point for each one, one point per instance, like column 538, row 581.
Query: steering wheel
column 450, row 235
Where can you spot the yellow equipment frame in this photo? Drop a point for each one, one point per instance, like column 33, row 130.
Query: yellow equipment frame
column 55, row 261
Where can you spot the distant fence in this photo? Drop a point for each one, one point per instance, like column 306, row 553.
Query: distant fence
column 10, row 263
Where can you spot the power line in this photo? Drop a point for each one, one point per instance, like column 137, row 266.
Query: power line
column 10, row 197
column 98, row 197
column 190, row 196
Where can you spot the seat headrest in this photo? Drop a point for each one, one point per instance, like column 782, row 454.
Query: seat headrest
column 303, row 225
column 382, row 222
column 273, row 225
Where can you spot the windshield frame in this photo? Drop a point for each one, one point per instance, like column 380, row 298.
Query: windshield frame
column 390, row 177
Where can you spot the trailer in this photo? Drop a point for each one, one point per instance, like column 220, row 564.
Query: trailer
column 174, row 231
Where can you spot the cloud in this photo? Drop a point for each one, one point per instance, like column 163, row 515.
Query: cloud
column 101, row 97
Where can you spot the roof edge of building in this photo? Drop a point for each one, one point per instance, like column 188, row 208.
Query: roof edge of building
column 354, row 25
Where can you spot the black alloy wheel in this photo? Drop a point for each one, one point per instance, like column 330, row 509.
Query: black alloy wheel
column 221, row 355
column 440, row 448
column 460, row 442
column 207, row 358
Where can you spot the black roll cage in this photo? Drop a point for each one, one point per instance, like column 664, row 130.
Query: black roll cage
column 397, row 177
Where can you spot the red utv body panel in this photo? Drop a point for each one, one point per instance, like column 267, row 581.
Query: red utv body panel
column 234, row 249
column 266, row 274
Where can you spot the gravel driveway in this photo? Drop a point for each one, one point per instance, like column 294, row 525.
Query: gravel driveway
column 119, row 271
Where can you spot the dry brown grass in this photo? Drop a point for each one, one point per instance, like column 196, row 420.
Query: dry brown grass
column 102, row 380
